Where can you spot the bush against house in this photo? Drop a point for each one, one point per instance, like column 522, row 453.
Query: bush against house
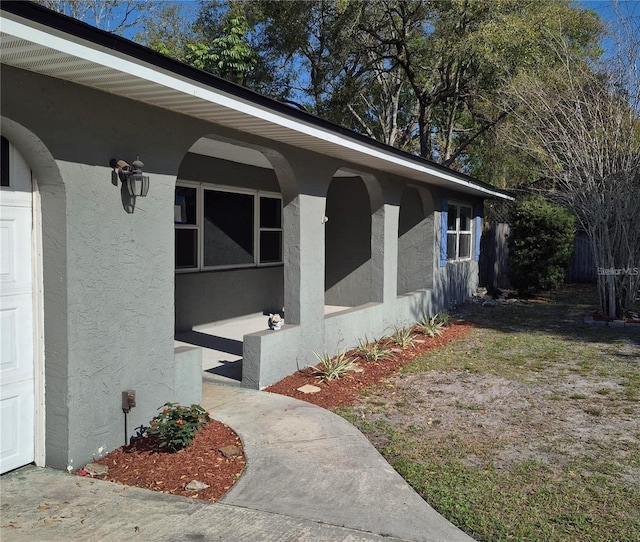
column 541, row 243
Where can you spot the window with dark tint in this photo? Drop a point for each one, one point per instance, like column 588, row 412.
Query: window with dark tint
column 219, row 228
column 465, row 218
column 452, row 217
column 186, row 219
column 186, row 249
column 452, row 246
column 270, row 212
column 4, row 161
column 270, row 230
column 228, row 228
column 185, row 206
column 270, row 246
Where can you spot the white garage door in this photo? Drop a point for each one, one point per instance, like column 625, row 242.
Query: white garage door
column 16, row 312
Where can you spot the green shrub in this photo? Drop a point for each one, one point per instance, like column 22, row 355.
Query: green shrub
column 540, row 245
column 176, row 425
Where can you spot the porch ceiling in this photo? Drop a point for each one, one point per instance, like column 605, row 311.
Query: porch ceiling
column 50, row 51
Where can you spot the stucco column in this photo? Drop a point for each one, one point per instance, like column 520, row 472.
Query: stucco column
column 304, row 242
column 304, row 247
column 390, row 244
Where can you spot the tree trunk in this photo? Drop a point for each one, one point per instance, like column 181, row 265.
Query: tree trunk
column 424, row 130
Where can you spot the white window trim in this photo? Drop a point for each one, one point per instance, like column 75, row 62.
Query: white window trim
column 199, row 225
column 458, row 232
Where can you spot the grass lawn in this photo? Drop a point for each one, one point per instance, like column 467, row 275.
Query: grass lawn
column 527, row 429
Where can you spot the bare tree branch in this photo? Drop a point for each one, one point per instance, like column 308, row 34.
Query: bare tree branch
column 582, row 122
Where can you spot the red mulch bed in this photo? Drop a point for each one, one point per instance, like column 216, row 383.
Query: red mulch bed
column 343, row 392
column 141, row 464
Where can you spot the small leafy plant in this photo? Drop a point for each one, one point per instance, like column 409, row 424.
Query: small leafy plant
column 333, row 368
column 176, row 426
column 372, row 351
column 403, row 337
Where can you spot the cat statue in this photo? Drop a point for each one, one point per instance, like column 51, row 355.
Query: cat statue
column 275, row 321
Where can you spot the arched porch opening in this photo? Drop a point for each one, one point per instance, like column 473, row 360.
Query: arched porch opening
column 229, row 248
column 415, row 240
column 353, row 234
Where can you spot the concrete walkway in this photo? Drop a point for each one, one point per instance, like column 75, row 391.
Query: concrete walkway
column 311, row 476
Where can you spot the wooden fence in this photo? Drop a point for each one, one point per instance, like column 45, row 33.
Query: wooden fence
column 493, row 256
column 494, row 253
column 582, row 268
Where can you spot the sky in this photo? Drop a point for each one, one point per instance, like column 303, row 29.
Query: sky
column 605, row 9
column 628, row 8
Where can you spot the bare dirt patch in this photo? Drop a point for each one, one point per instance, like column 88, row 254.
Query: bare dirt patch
column 511, row 421
column 530, row 381
column 527, row 427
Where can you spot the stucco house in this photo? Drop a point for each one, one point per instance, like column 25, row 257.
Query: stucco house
column 252, row 207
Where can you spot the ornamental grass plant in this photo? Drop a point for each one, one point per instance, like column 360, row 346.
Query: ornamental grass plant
column 332, row 368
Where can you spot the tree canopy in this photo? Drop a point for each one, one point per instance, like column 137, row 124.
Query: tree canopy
column 421, row 75
column 513, row 92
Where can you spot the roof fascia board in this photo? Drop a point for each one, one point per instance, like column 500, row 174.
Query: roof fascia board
column 113, row 59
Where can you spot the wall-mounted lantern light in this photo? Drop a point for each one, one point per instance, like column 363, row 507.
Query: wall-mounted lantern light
column 131, row 175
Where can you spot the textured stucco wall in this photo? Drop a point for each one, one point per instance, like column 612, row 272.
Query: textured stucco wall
column 205, row 169
column 108, row 273
column 455, row 281
column 414, row 252
column 119, row 306
column 275, row 354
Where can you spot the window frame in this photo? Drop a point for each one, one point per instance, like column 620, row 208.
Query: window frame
column 458, row 232
column 199, row 226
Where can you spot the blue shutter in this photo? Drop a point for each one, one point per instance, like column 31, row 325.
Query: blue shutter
column 443, row 237
column 478, row 232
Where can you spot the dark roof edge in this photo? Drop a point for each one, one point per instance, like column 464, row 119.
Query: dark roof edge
column 82, row 30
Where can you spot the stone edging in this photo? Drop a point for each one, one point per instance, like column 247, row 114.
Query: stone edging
column 589, row 320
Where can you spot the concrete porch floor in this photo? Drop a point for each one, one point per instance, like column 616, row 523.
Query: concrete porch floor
column 221, row 344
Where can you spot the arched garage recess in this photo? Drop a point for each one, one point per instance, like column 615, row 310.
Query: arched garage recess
column 31, row 325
